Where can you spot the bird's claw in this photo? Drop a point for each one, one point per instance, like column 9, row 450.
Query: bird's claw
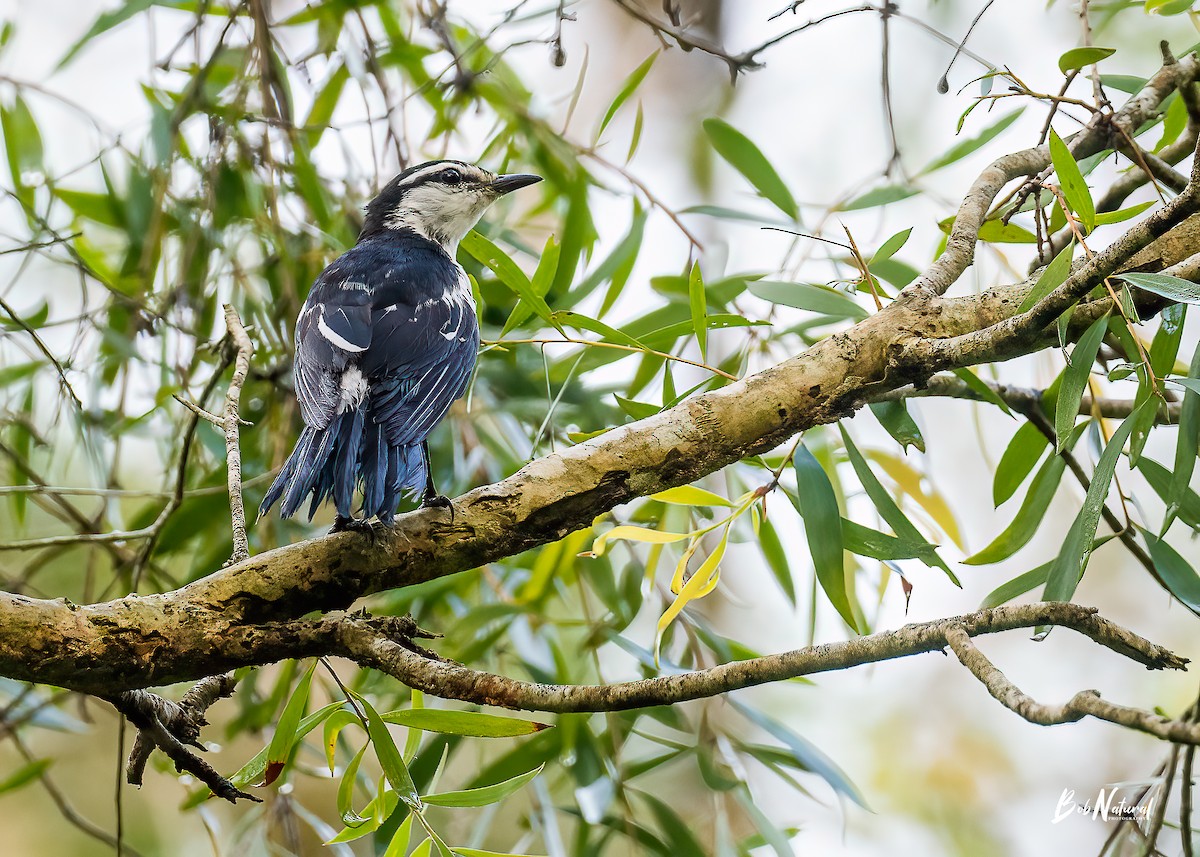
column 353, row 525
column 437, row 501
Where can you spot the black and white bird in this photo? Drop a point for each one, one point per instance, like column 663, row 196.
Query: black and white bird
column 385, row 343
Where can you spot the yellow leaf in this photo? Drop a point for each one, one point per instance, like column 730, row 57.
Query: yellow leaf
column 698, row 585
column 690, row 495
column 910, row 482
column 634, row 534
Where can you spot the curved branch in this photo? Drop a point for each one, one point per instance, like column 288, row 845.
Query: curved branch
column 361, row 641
column 1086, row 703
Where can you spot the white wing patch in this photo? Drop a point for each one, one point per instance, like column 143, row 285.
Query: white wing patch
column 337, row 339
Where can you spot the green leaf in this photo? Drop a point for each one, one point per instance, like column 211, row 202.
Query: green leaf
column 823, row 529
column 483, row 795
column 253, row 770
column 542, row 280
column 1164, row 484
column 24, row 775
column 1179, row 576
column 745, row 157
column 977, row 384
column 22, row 144
column 1072, row 559
column 1187, row 440
column 808, row 296
column 690, row 495
column 891, row 247
column 1164, row 285
column 506, row 270
column 1016, row 587
column 698, row 304
column 1079, row 57
column 128, row 9
column 321, row 112
column 1017, row 462
column 632, row 82
column 1127, row 83
column 1074, row 188
column 1053, row 276
column 965, row 147
column 894, row 416
column 635, row 409
column 1079, row 369
column 389, row 756
column 994, row 231
column 869, row 542
column 284, row 738
column 886, row 506
column 879, row 196
column 777, row 559
column 1109, row 217
column 1028, row 518
column 806, row 754
column 583, row 322
column 470, row 723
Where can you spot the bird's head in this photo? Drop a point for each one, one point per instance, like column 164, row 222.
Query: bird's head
column 439, row 200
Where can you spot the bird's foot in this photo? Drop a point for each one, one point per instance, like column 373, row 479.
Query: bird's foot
column 353, row 525
column 438, row 501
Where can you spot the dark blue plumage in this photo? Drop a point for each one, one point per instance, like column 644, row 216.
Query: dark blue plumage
column 385, row 343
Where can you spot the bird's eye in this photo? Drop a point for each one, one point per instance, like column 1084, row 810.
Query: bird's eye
column 452, row 176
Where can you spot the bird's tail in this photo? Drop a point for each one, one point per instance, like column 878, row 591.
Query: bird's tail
column 352, row 452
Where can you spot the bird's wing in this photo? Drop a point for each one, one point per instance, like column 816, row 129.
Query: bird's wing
column 419, row 361
column 332, row 332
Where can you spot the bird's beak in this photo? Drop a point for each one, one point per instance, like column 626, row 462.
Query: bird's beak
column 507, row 184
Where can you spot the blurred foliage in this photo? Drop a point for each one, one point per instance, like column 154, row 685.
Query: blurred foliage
column 249, row 178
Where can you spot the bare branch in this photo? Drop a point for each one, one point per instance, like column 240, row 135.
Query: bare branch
column 365, row 641
column 1086, row 703
column 241, row 366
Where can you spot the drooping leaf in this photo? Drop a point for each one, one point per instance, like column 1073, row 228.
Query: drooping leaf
column 745, row 157
column 823, row 530
column 965, row 147
column 698, row 304
column 1075, row 379
column 880, row 196
column 886, row 506
column 1076, row 550
column 1179, row 576
column 1018, row 461
column 1028, row 518
column 506, row 270
column 805, row 752
column 284, row 738
column 894, row 416
column 1164, row 285
column 808, row 296
column 1074, row 188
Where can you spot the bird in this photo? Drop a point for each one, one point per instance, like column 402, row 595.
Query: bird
column 385, row 343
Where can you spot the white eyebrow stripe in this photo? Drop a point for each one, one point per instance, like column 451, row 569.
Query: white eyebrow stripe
column 335, row 338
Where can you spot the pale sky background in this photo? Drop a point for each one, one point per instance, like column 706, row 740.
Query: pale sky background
column 921, row 737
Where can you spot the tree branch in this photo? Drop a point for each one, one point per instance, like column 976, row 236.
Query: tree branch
column 1086, row 703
